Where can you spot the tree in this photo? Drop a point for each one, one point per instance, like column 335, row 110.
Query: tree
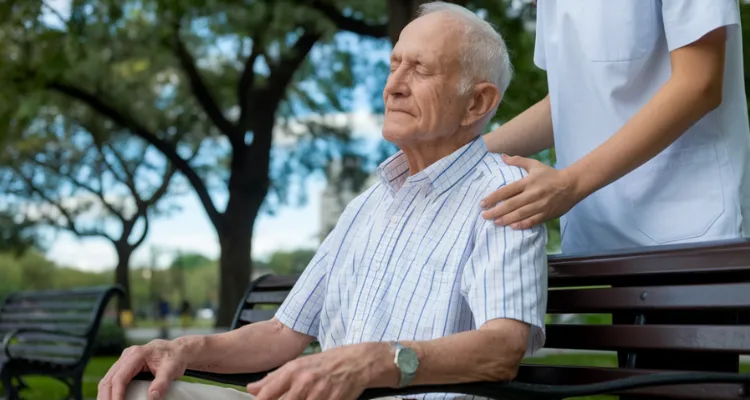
column 69, row 171
column 154, row 68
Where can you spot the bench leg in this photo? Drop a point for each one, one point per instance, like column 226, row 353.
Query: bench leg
column 11, row 392
column 76, row 387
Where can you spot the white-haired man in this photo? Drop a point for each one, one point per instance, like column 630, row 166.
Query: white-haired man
column 412, row 286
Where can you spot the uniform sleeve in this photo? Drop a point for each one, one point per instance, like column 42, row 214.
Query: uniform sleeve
column 540, row 58
column 686, row 21
column 506, row 277
column 300, row 311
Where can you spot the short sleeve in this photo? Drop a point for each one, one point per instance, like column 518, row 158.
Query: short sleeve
column 300, row 311
column 540, row 58
column 506, row 277
column 686, row 21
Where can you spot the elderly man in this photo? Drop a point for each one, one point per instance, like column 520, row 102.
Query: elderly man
column 412, row 286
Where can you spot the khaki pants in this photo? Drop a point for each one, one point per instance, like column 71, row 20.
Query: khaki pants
column 138, row 390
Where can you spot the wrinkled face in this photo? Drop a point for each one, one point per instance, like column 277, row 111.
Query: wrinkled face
column 421, row 96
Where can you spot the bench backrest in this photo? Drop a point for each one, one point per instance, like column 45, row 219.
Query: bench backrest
column 691, row 284
column 262, row 298
column 57, row 326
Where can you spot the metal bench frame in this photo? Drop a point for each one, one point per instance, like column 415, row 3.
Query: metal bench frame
column 14, row 367
column 702, row 279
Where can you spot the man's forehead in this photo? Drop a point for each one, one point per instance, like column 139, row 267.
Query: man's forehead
column 430, row 36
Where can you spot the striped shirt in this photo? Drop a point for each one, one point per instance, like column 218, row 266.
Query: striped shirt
column 411, row 258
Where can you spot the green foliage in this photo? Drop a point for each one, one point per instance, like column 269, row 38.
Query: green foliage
column 190, row 261
column 111, row 340
column 290, row 262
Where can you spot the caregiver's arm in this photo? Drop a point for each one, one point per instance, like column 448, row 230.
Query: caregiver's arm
column 693, row 90
column 525, row 135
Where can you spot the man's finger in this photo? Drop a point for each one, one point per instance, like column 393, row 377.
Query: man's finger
column 522, row 162
column 127, row 371
column 163, row 380
column 104, row 389
column 274, row 388
column 503, row 193
column 254, row 387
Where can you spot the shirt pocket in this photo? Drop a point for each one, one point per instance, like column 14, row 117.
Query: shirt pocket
column 615, row 30
column 677, row 195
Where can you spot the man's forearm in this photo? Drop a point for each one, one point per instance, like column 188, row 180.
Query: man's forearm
column 525, row 135
column 253, row 348
column 492, row 354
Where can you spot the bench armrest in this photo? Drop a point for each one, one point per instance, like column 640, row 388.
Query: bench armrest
column 513, row 389
column 15, row 332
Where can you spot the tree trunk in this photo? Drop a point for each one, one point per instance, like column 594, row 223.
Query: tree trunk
column 122, row 275
column 401, row 12
column 235, row 263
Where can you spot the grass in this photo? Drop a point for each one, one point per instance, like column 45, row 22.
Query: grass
column 42, row 388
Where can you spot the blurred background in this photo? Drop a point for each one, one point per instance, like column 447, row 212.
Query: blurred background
column 181, row 148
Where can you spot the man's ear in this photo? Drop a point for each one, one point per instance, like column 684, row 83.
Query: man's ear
column 484, row 99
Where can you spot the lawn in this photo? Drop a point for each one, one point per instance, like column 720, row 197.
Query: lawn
column 44, row 388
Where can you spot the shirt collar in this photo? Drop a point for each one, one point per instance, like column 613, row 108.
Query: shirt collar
column 440, row 176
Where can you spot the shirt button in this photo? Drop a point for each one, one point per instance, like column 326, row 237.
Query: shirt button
column 394, row 219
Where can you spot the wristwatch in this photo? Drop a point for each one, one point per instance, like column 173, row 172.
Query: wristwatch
column 406, row 361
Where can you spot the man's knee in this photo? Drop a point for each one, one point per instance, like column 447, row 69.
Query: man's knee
column 137, row 390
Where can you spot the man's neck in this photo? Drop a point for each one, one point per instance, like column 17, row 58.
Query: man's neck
column 421, row 155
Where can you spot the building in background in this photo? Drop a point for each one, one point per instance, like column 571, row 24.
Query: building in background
column 346, row 179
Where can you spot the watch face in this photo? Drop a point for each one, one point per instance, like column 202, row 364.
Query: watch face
column 407, row 360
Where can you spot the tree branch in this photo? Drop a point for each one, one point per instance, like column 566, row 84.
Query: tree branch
column 145, row 232
column 349, row 24
column 283, row 71
column 200, row 90
column 69, row 223
column 129, row 180
column 246, row 84
column 163, row 146
column 82, row 185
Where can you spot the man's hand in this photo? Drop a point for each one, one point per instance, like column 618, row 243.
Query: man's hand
column 160, row 357
column 338, row 374
column 544, row 194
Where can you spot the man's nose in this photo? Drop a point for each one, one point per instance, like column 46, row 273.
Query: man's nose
column 397, row 83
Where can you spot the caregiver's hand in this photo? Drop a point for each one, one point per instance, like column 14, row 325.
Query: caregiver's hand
column 544, row 194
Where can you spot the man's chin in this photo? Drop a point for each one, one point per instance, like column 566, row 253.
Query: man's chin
column 397, row 135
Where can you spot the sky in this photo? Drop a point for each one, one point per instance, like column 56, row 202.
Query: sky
column 189, row 230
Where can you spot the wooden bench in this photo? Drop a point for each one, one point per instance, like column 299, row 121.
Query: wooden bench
column 696, row 358
column 50, row 333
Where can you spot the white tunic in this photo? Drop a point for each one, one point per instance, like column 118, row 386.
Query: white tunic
column 605, row 59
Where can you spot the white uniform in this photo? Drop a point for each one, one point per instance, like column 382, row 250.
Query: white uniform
column 605, row 59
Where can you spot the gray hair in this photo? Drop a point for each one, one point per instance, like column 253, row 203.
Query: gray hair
column 484, row 55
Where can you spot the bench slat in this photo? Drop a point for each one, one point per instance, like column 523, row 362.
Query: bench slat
column 707, row 265
column 48, row 306
column 47, row 338
column 68, row 328
column 283, row 282
column 46, row 317
column 269, row 297
column 58, row 294
column 31, row 350
column 720, row 339
column 570, row 375
column 252, row 316
column 692, row 297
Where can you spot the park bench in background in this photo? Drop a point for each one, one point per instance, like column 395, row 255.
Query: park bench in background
column 689, row 284
column 50, row 333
